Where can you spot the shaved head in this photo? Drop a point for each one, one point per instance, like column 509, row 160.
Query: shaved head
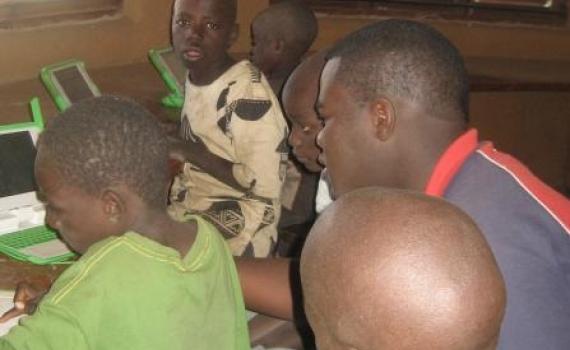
column 306, row 78
column 280, row 36
column 291, row 21
column 387, row 269
column 299, row 97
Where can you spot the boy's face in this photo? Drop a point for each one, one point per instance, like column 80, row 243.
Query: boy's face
column 202, row 32
column 262, row 53
column 299, row 106
column 77, row 216
column 345, row 139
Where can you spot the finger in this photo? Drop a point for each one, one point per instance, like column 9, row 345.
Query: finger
column 24, row 293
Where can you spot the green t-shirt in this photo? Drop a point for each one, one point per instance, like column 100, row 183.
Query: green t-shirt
column 130, row 292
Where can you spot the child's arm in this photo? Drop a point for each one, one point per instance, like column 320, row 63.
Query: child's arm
column 266, row 285
column 26, row 300
column 199, row 155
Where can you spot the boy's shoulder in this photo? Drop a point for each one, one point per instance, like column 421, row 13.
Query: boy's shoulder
column 246, row 81
column 132, row 256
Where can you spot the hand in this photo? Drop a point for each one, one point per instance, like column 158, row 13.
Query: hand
column 26, row 299
column 195, row 152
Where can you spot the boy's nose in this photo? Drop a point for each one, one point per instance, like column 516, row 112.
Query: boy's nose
column 293, row 139
column 320, row 139
column 196, row 30
column 52, row 221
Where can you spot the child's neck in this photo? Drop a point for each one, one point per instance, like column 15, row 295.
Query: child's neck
column 160, row 227
column 201, row 75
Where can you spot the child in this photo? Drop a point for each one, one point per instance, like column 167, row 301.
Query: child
column 280, row 36
column 414, row 272
column 233, row 132
column 298, row 99
column 144, row 281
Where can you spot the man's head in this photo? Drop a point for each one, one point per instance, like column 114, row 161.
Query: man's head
column 299, row 98
column 388, row 269
column 203, row 31
column 390, row 93
column 281, row 35
column 93, row 160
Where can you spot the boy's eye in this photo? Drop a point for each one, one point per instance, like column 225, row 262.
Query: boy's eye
column 183, row 22
column 306, row 129
column 212, row 26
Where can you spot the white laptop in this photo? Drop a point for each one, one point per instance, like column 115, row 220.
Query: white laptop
column 23, row 234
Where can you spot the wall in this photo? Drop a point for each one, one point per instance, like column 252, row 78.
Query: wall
column 144, row 24
column 117, row 40
column 472, row 38
column 533, row 126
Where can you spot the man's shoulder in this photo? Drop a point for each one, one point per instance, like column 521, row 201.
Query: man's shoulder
column 505, row 184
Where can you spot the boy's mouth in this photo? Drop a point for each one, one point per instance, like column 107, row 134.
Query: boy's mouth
column 322, row 160
column 193, row 54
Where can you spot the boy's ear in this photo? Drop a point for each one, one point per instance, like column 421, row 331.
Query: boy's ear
column 234, row 35
column 278, row 45
column 113, row 204
column 383, row 117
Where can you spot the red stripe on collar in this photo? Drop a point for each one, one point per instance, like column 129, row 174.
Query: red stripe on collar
column 450, row 162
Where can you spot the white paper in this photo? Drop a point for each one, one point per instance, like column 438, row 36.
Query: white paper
column 6, row 303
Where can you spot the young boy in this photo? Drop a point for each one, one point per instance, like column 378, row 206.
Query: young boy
column 233, row 134
column 144, row 281
column 280, row 36
column 298, row 99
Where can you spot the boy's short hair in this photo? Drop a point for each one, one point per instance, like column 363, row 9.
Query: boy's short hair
column 293, row 22
column 402, row 58
column 104, row 141
column 230, row 8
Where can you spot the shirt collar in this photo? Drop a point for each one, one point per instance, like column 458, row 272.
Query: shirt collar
column 450, row 162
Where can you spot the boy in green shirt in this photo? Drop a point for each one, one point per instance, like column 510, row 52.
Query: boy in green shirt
column 144, row 281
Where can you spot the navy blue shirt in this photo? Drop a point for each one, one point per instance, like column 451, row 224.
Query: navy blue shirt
column 527, row 226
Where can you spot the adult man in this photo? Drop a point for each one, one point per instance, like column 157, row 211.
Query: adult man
column 394, row 99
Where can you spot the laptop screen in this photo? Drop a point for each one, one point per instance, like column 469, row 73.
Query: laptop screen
column 176, row 66
column 73, row 84
column 17, row 155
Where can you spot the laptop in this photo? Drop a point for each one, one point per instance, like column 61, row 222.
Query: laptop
column 68, row 82
column 172, row 72
column 23, row 234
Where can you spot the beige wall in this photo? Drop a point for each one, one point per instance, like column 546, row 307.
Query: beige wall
column 144, row 24
column 125, row 38
column 508, row 118
column 473, row 39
